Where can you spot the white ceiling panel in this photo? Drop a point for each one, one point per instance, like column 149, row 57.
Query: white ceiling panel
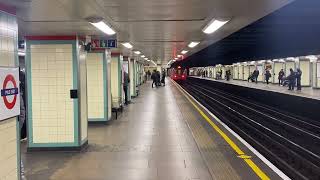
column 160, row 29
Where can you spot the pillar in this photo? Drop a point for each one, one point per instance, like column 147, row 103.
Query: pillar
column 57, row 93
column 9, row 128
column 133, row 84
column 316, row 74
column 99, row 108
column 126, row 68
column 116, row 80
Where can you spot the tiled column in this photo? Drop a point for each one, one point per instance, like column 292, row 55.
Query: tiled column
column 57, row 93
column 116, row 80
column 9, row 128
column 315, row 74
column 133, row 78
column 126, row 68
column 97, row 76
column 305, row 67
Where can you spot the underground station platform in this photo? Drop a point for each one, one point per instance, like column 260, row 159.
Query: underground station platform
column 163, row 134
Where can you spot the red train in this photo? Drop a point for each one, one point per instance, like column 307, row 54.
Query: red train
column 178, row 74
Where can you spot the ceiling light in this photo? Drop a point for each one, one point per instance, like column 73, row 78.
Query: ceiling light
column 176, row 58
column 137, row 52
column 184, row 52
column 143, row 56
column 146, row 58
column 127, row 45
column 214, row 25
column 102, row 26
column 193, row 44
column 179, row 56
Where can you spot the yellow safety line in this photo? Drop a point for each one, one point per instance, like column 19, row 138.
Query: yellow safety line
column 233, row 145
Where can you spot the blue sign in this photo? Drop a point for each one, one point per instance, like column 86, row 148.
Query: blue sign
column 9, row 92
column 111, row 43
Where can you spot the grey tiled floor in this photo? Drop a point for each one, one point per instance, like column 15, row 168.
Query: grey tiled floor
column 150, row 140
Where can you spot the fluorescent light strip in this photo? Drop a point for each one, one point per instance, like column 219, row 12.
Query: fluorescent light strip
column 193, row 44
column 213, row 26
column 137, row 52
column 184, row 52
column 143, row 56
column 102, row 26
column 127, row 45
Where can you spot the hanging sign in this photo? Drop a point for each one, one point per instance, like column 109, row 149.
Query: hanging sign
column 108, row 43
column 10, row 95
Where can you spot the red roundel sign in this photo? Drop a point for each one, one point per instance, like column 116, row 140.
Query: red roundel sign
column 6, row 92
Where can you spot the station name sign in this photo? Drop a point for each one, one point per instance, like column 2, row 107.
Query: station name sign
column 10, row 97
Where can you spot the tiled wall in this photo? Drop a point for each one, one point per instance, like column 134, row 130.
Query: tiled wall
column 132, row 78
column 115, row 87
column 83, row 94
column 108, row 67
column 8, row 129
column 52, row 79
column 305, row 67
column 95, row 85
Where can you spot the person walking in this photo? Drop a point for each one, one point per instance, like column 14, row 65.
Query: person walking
column 291, row 78
column 153, row 77
column 298, row 75
column 280, row 76
column 126, row 81
column 267, row 75
column 163, row 77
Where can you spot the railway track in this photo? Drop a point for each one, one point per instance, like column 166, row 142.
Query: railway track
column 290, row 142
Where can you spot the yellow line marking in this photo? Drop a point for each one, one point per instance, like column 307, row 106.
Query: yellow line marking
column 233, row 145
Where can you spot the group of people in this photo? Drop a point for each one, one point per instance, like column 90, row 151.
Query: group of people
column 157, row 78
column 292, row 80
column 218, row 74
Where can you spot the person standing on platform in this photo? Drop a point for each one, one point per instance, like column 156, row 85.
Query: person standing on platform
column 228, row 74
column 153, row 77
column 256, row 75
column 267, row 75
column 126, row 81
column 158, row 77
column 163, row 77
column 291, row 78
column 280, row 76
column 298, row 78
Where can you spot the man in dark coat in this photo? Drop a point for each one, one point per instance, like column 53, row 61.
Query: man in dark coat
column 126, row 81
column 291, row 78
column 298, row 78
column 280, row 76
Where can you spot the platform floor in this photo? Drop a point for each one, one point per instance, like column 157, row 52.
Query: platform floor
column 307, row 92
column 160, row 136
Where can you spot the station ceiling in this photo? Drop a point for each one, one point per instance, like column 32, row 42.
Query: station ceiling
column 291, row 31
column 160, row 29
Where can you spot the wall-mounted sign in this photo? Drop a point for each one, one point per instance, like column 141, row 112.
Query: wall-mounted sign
column 10, row 95
column 108, row 43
